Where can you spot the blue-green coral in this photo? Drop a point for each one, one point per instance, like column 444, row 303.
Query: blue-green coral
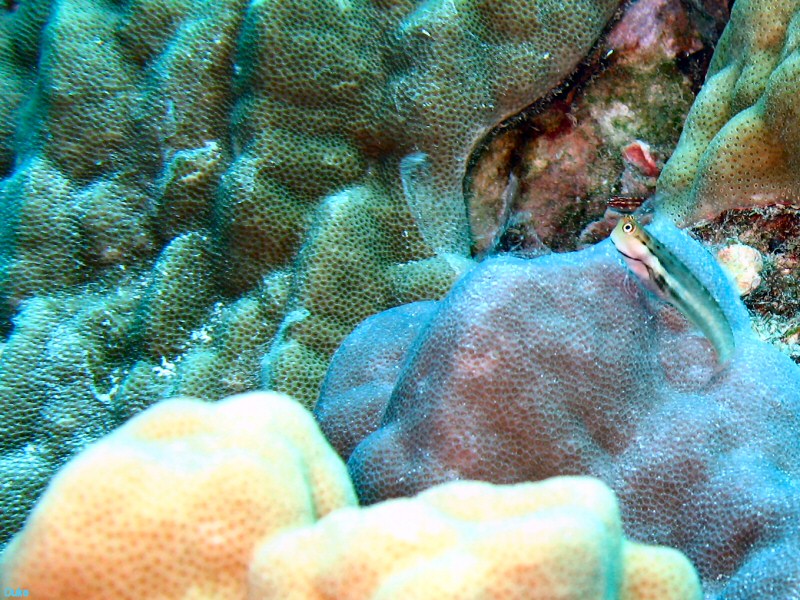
column 189, row 185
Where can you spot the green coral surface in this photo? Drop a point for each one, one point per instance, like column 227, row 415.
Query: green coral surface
column 740, row 145
column 203, row 197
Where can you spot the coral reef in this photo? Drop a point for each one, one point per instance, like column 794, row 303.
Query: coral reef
column 548, row 172
column 560, row 538
column 744, row 264
column 773, row 232
column 203, row 198
column 562, row 365
column 191, row 500
column 173, row 502
column 741, row 140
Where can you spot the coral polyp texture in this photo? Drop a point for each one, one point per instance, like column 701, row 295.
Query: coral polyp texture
column 561, row 538
column 174, row 502
column 607, row 133
column 192, row 499
column 741, row 141
column 203, row 198
column 564, row 365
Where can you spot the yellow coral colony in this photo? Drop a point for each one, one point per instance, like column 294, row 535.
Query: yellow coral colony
column 191, row 500
column 171, row 504
column 560, row 538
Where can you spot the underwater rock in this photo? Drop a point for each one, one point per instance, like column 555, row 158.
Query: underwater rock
column 744, row 263
column 774, row 231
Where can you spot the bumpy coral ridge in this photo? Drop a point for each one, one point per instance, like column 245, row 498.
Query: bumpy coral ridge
column 192, row 500
column 741, row 141
column 560, row 538
column 188, row 187
column 173, row 502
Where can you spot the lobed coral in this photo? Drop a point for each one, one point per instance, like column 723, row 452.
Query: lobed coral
column 560, row 538
column 173, row 502
column 189, row 188
column 561, row 365
column 191, row 500
column 160, row 232
column 740, row 143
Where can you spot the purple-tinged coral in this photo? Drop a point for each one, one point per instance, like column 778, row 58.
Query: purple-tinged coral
column 563, row 365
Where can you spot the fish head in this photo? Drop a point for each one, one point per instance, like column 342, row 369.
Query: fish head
column 630, row 238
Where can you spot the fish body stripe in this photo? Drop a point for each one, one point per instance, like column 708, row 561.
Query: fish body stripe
column 672, row 280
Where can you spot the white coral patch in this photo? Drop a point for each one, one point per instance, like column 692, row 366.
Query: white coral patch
column 744, row 264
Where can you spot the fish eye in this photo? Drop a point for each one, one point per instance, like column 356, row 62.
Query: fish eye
column 628, row 227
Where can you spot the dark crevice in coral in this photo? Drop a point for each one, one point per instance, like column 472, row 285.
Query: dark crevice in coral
column 6, row 167
column 6, row 328
column 597, row 60
column 695, row 66
column 549, row 116
column 554, row 119
column 709, row 17
column 562, row 96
